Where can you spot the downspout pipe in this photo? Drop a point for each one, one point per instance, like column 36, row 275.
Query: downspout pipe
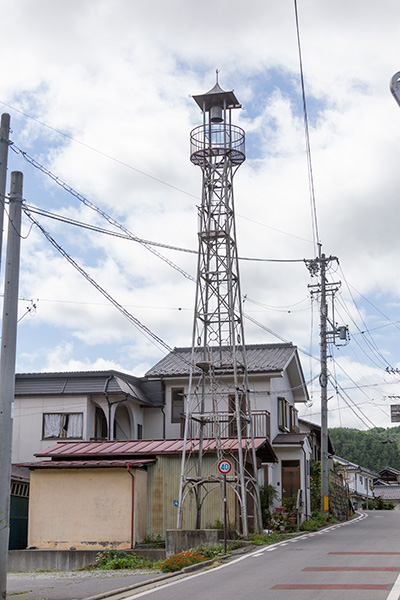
column 132, row 507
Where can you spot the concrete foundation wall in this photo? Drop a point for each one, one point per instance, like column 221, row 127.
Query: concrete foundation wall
column 64, row 560
column 179, row 540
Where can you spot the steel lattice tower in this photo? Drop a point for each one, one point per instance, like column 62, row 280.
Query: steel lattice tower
column 217, row 402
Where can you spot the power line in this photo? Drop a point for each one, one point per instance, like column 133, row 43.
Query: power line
column 101, row 212
column 307, row 136
column 100, row 152
column 143, row 328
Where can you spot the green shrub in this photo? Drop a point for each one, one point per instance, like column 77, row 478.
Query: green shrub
column 267, row 495
column 262, row 539
column 318, row 519
column 110, row 559
column 217, row 525
column 209, row 552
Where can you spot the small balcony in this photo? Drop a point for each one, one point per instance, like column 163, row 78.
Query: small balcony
column 224, row 425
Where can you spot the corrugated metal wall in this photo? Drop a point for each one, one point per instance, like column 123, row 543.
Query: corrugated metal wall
column 163, row 491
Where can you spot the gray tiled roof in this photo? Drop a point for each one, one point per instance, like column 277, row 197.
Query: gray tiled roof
column 86, row 382
column 387, row 492
column 261, row 358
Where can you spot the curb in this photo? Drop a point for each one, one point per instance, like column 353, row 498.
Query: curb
column 190, row 569
column 200, row 566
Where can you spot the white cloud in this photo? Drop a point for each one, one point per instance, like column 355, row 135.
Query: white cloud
column 117, row 75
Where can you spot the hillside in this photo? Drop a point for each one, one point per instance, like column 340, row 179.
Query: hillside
column 372, row 449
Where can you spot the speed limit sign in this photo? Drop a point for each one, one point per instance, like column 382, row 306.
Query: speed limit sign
column 224, row 467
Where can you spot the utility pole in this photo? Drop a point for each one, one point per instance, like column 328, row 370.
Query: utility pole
column 330, row 332
column 7, row 367
column 323, row 381
column 4, row 143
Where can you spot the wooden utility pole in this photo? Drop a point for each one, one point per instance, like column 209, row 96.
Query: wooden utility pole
column 7, row 367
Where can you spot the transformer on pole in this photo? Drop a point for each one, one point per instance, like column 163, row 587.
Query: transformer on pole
column 217, row 403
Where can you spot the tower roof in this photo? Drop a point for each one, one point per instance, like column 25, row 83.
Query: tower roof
column 216, row 97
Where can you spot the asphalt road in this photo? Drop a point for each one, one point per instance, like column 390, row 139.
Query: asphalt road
column 66, row 585
column 359, row 560
column 356, row 560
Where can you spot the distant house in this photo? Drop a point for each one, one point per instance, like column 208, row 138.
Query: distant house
column 387, row 486
column 388, row 493
column 388, row 475
column 359, row 480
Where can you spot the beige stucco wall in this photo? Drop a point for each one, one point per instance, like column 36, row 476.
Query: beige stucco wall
column 86, row 508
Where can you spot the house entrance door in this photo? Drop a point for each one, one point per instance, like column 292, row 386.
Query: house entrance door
column 290, row 478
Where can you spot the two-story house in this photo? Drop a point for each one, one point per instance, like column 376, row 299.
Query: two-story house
column 276, row 385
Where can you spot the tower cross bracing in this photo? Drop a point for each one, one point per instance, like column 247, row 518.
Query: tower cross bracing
column 217, row 404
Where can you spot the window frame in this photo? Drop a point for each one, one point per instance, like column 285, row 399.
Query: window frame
column 176, row 404
column 282, row 413
column 63, row 428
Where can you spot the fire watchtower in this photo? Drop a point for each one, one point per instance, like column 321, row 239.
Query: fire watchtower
column 217, row 403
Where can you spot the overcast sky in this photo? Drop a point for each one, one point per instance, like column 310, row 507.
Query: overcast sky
column 116, row 78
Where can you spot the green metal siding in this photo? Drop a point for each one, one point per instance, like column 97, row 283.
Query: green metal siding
column 163, row 490
column 19, row 504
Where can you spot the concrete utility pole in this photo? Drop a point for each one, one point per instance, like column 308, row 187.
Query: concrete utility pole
column 7, row 367
column 323, row 381
column 4, row 143
column 329, row 333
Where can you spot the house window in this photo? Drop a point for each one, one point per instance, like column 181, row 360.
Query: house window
column 139, row 431
column 62, row 425
column 294, row 419
column 100, row 424
column 283, row 417
column 177, row 404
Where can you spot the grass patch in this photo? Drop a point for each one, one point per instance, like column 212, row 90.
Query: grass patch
column 117, row 559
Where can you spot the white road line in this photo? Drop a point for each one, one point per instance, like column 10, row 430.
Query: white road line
column 395, row 591
column 396, row 587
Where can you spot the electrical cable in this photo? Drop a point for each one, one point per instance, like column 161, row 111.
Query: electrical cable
column 314, row 220
column 100, row 152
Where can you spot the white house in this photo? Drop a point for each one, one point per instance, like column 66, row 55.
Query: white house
column 359, row 480
column 95, row 405
column 276, row 385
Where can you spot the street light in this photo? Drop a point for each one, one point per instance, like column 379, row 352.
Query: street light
column 395, row 87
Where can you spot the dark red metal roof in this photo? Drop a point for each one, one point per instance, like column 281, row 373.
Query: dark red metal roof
column 88, row 464
column 100, row 450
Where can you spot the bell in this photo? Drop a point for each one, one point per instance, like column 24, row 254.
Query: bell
column 216, row 114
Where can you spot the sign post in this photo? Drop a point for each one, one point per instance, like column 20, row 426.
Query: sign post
column 224, row 467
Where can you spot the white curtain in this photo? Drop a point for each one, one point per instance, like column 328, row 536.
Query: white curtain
column 75, row 425
column 52, row 425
